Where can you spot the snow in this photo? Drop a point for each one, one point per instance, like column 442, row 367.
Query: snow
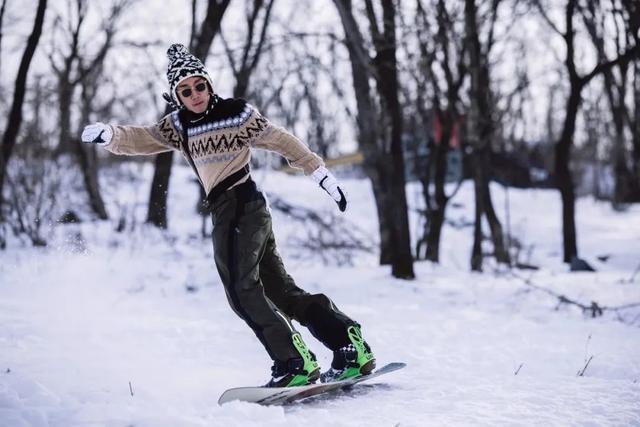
column 133, row 328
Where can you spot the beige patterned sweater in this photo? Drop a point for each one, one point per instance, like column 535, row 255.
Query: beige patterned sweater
column 219, row 141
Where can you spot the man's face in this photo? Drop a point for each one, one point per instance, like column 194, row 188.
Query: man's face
column 194, row 94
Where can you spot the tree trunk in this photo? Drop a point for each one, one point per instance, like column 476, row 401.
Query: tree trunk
column 626, row 188
column 65, row 96
column 501, row 251
column 564, row 180
column 402, row 263
column 87, row 153
column 375, row 169
column 157, row 212
column 367, row 122
column 635, row 126
column 436, row 221
column 209, row 28
column 242, row 84
column 476, row 250
column 68, row 144
column 436, row 214
column 380, row 132
column 15, row 115
column 89, row 167
column 382, row 198
column 2, row 11
column 563, row 177
column 481, row 132
column 633, row 27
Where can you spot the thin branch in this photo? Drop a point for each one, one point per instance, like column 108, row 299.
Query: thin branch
column 194, row 12
column 635, row 273
column 548, row 20
column 326, row 236
column 583, row 370
column 518, row 370
column 251, row 25
column 2, row 10
column 373, row 22
column 569, row 40
column 140, row 45
column 631, row 53
column 492, row 24
column 593, row 309
column 354, row 39
column 263, row 36
column 229, row 52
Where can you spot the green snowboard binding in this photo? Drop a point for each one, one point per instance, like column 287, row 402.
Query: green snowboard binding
column 297, row 371
column 353, row 360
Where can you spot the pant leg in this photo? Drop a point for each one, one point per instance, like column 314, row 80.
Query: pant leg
column 241, row 226
column 315, row 311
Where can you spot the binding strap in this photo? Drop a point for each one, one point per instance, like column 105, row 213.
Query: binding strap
column 227, row 183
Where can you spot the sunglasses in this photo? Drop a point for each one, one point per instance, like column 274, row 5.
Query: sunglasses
column 200, row 87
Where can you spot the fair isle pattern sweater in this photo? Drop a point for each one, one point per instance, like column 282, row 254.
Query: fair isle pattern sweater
column 219, row 140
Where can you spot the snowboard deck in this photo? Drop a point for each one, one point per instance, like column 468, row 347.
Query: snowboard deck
column 282, row 395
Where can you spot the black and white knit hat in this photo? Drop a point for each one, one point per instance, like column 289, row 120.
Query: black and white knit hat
column 182, row 65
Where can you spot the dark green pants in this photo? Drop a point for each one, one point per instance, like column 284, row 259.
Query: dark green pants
column 256, row 283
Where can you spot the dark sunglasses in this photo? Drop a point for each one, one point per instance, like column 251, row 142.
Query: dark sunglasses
column 200, row 87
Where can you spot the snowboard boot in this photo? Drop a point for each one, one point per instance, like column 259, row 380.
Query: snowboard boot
column 297, row 371
column 352, row 360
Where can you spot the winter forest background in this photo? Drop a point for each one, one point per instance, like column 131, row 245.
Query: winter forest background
column 493, row 142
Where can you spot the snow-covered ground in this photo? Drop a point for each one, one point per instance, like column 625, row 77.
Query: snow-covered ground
column 133, row 328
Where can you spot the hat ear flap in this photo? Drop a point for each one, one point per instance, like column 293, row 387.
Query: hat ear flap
column 211, row 92
column 170, row 101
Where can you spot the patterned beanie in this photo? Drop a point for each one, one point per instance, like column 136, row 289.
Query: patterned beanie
column 182, row 65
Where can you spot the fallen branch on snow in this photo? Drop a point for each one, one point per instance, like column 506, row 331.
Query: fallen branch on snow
column 518, row 370
column 327, row 236
column 582, row 371
column 635, row 273
column 594, row 309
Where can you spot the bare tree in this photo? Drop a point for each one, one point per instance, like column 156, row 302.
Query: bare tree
column 577, row 82
column 441, row 53
column 34, row 178
column 201, row 40
column 481, row 131
column 15, row 116
column 321, row 135
column 632, row 18
column 627, row 184
column 379, row 120
column 3, row 8
column 252, row 47
column 300, row 72
column 87, row 153
column 72, row 69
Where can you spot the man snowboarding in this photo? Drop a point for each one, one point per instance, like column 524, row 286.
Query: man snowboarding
column 216, row 136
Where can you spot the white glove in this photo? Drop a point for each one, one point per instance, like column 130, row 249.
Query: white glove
column 329, row 183
column 97, row 133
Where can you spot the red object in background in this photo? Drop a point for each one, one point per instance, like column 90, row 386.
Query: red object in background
column 454, row 141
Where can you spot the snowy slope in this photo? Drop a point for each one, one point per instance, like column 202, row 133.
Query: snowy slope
column 133, row 329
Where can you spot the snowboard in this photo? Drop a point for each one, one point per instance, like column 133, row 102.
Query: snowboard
column 282, row 395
